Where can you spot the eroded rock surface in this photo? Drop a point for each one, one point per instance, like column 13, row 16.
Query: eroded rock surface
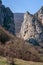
column 31, row 28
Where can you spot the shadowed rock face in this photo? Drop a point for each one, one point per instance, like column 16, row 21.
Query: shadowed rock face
column 18, row 18
column 32, row 27
column 7, row 18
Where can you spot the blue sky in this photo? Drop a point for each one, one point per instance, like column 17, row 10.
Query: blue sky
column 23, row 5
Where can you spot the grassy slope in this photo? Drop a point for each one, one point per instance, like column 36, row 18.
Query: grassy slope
column 19, row 62
column 3, row 31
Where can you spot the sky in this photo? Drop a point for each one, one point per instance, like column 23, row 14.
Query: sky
column 21, row 6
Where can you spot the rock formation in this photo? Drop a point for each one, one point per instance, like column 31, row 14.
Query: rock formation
column 32, row 28
column 39, row 15
column 7, row 18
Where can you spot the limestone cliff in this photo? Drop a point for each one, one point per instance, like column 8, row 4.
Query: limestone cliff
column 31, row 29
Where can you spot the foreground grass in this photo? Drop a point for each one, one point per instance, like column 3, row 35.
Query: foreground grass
column 3, row 61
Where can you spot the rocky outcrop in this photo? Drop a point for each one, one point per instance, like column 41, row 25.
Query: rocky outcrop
column 32, row 28
column 7, row 18
column 39, row 15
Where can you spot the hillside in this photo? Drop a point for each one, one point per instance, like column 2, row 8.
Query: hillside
column 5, row 35
column 21, row 49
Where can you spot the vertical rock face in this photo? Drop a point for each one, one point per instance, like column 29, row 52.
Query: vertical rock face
column 1, row 13
column 18, row 18
column 26, row 25
column 7, row 18
column 31, row 28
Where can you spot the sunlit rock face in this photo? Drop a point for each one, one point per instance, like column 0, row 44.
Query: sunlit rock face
column 39, row 15
column 26, row 25
column 31, row 28
column 7, row 18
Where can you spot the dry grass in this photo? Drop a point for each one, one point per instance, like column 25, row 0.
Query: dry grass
column 3, row 61
column 22, row 62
